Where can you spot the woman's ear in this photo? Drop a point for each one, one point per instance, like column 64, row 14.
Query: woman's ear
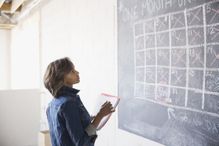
column 64, row 79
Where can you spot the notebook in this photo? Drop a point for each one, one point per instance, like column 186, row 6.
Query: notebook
column 114, row 101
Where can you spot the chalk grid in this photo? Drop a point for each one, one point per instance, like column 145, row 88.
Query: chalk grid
column 177, row 58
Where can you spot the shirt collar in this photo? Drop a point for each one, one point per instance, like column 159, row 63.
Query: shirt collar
column 65, row 90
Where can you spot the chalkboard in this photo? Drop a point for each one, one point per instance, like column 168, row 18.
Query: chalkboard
column 168, row 70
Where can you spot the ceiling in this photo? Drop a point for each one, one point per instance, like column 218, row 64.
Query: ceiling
column 13, row 11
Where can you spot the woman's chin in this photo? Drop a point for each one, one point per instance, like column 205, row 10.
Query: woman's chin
column 76, row 82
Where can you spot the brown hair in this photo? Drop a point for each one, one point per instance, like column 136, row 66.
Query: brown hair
column 54, row 75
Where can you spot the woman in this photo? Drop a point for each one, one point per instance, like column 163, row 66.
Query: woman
column 69, row 122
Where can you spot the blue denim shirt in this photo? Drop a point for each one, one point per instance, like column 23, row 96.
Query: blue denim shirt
column 68, row 120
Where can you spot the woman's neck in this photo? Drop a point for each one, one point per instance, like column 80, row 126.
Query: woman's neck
column 71, row 86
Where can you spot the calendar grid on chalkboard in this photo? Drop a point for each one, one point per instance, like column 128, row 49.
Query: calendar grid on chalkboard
column 205, row 42
column 167, row 64
column 187, row 57
column 170, row 60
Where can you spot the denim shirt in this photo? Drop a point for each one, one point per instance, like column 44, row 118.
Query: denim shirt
column 69, row 121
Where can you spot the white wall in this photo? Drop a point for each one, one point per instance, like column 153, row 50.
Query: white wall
column 85, row 31
column 25, row 59
column 4, row 59
column 19, row 62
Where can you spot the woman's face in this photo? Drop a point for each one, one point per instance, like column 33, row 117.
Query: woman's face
column 72, row 77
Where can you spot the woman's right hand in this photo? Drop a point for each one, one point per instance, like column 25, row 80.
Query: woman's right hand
column 106, row 109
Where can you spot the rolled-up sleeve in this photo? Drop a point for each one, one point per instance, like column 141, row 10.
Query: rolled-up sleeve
column 91, row 130
column 79, row 135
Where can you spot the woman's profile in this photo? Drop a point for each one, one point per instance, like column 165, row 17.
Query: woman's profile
column 69, row 121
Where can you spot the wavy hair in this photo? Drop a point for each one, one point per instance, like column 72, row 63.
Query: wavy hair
column 54, row 76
